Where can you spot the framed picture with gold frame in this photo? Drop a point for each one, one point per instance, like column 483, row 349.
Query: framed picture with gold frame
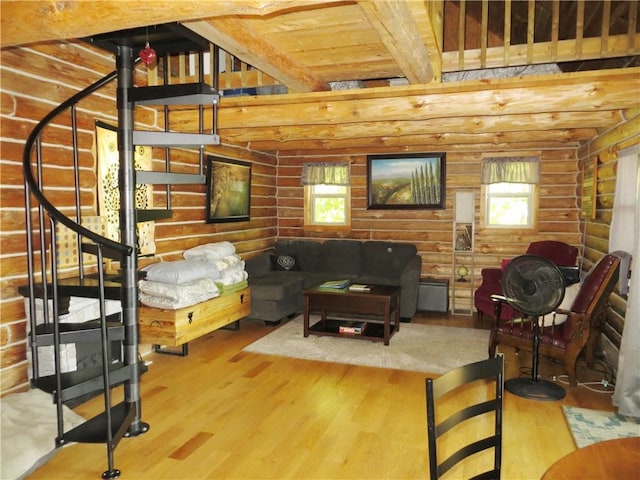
column 228, row 190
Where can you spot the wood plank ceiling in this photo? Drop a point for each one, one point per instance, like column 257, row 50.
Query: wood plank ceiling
column 308, row 45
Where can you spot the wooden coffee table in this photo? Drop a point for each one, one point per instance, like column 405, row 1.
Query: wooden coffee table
column 382, row 301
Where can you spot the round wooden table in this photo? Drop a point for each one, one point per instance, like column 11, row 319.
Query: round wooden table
column 611, row 459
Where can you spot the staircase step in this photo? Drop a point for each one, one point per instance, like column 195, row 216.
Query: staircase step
column 94, row 430
column 169, row 178
column 153, row 214
column 84, row 381
column 81, row 332
column 198, row 93
column 174, row 139
column 86, row 287
column 89, row 287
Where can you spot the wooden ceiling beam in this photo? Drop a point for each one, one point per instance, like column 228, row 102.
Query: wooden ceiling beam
column 236, row 37
column 438, row 142
column 609, row 90
column 398, row 31
column 27, row 21
column 478, row 124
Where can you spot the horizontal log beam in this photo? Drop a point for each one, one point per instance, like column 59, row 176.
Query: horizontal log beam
column 440, row 141
column 35, row 21
column 481, row 123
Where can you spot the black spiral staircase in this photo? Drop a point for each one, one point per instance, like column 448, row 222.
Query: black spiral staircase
column 117, row 333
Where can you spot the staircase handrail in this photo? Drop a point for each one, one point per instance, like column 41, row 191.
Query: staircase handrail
column 34, row 188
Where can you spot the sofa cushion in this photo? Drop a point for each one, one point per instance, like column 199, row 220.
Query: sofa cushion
column 386, row 259
column 285, row 262
column 341, row 256
column 307, row 252
column 276, row 285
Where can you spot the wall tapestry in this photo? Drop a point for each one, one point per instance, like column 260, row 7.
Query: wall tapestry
column 109, row 194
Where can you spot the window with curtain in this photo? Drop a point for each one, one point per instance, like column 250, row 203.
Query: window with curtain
column 327, row 194
column 510, row 191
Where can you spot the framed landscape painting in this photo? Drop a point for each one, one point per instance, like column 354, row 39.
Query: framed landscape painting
column 415, row 180
column 228, row 190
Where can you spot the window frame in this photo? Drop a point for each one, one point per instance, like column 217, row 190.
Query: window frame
column 534, row 207
column 309, row 198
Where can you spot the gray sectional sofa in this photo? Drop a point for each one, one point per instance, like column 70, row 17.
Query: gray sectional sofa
column 278, row 277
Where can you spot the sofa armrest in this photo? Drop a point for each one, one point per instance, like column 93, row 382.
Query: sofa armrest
column 409, row 285
column 258, row 265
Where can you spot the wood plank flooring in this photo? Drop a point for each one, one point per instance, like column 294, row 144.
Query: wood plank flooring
column 225, row 413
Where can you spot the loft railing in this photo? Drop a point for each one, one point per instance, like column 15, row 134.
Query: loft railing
column 232, row 72
column 491, row 34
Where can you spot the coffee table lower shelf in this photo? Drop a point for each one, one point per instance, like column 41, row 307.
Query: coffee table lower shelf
column 373, row 331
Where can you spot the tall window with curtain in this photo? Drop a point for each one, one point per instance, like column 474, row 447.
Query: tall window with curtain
column 327, row 194
column 510, row 191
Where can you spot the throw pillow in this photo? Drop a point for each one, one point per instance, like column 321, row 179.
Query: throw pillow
column 284, row 263
column 569, row 296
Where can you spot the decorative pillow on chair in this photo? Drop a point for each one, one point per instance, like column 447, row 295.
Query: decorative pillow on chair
column 284, row 263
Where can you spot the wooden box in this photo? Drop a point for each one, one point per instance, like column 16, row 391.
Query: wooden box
column 176, row 327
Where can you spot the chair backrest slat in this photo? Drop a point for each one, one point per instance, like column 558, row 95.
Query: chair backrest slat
column 489, row 370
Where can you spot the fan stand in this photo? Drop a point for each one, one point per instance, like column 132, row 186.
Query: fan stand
column 534, row 388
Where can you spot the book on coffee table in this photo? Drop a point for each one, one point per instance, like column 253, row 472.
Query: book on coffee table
column 339, row 284
column 359, row 287
column 355, row 328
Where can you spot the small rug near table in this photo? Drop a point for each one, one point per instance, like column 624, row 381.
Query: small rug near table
column 29, row 431
column 422, row 348
column 591, row 426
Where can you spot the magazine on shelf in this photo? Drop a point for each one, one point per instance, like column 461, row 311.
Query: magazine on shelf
column 359, row 287
column 338, row 284
column 355, row 328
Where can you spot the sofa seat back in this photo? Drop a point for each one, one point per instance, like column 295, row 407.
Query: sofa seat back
column 386, row 259
column 341, row 257
column 308, row 253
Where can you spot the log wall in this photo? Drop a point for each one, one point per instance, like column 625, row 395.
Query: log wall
column 598, row 161
column 35, row 80
column 431, row 230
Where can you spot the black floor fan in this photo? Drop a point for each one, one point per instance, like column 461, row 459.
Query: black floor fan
column 534, row 286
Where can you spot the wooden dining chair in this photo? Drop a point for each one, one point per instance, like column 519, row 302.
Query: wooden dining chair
column 486, row 380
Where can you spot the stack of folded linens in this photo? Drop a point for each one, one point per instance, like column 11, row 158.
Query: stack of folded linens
column 206, row 272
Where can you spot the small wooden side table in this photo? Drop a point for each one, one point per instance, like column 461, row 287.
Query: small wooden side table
column 611, row 459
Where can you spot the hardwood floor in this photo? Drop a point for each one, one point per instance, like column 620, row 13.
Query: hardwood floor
column 225, row 413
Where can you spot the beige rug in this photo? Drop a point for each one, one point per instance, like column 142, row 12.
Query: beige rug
column 29, row 431
column 422, row 348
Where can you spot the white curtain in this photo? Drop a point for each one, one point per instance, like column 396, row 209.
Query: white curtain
column 510, row 170
column 325, row 173
column 625, row 235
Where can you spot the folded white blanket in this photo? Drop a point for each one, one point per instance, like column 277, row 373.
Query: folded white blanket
column 164, row 295
column 225, row 262
column 211, row 251
column 233, row 275
column 181, row 271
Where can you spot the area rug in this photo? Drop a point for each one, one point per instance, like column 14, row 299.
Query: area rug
column 422, row 348
column 29, row 431
column 591, row 426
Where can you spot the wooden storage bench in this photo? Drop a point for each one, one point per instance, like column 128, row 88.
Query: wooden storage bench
column 178, row 327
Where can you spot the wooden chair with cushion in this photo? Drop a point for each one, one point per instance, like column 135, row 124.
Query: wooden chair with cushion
column 560, row 253
column 461, row 429
column 579, row 328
